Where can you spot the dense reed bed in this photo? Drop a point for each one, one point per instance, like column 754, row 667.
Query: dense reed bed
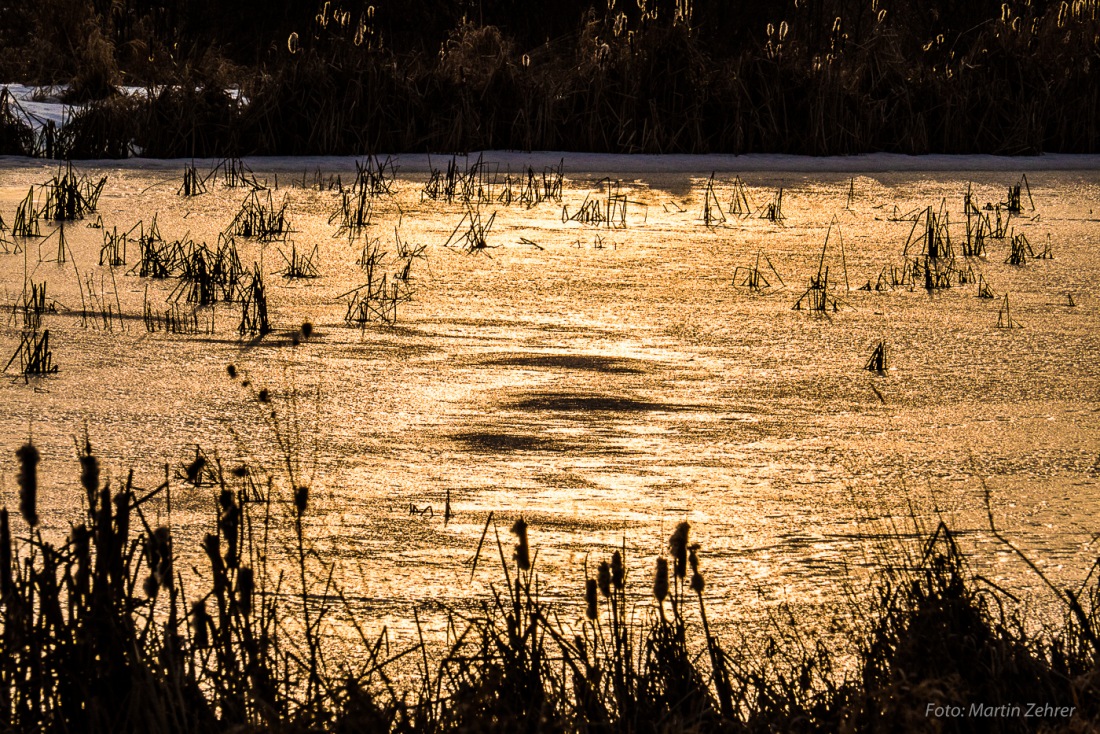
column 830, row 77
column 105, row 630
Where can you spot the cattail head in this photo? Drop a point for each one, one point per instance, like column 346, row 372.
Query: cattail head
column 104, row 537
column 122, row 515
column 193, row 471
column 697, row 582
column 618, row 572
column 307, row 329
column 246, row 584
column 603, row 578
column 660, row 581
column 160, row 555
column 263, row 395
column 229, row 518
column 523, row 551
column 80, row 543
column 89, row 476
column 212, row 547
column 5, row 553
column 200, row 625
column 231, row 369
column 677, row 546
column 301, row 499
column 590, row 598
column 28, row 482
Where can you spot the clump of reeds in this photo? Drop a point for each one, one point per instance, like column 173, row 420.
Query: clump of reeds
column 260, row 219
column 740, row 206
column 32, row 305
column 1047, row 253
column 61, row 254
column 984, row 291
column 103, row 128
column 374, row 177
column 1013, row 203
column 977, row 228
column 175, row 319
column 610, row 212
column 930, row 237
column 158, row 258
column 34, row 354
column 235, row 173
column 537, row 188
column 1004, row 316
column 207, row 274
column 70, row 196
column 712, row 209
column 253, row 299
column 319, row 182
column 471, row 184
column 113, row 251
column 16, row 134
column 353, row 212
column 817, row 297
column 753, row 277
column 192, row 185
column 1020, row 250
column 470, row 234
column 7, row 244
column 928, row 248
column 773, row 210
column 25, row 223
column 299, row 264
column 377, row 299
column 877, row 362
column 96, row 310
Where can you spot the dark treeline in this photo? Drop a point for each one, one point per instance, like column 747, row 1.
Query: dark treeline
column 802, row 76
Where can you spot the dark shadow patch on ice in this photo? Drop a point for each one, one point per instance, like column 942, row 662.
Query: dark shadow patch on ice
column 497, row 442
column 589, row 362
column 587, row 402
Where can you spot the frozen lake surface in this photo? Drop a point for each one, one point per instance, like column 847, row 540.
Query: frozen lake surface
column 603, row 382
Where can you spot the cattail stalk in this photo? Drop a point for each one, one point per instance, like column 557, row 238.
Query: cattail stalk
column 5, row 554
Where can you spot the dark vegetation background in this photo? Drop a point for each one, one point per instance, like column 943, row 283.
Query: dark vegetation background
column 656, row 76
